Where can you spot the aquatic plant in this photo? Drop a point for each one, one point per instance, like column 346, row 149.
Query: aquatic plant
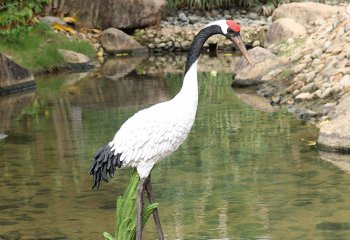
column 125, row 225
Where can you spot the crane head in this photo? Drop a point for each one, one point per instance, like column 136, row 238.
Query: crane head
column 231, row 30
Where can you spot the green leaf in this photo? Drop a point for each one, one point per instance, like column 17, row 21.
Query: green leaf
column 108, row 236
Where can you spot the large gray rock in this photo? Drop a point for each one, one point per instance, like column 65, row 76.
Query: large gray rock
column 263, row 62
column 305, row 12
column 123, row 14
column 14, row 77
column 285, row 28
column 114, row 40
column 335, row 136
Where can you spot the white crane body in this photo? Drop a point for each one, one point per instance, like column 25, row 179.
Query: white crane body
column 155, row 132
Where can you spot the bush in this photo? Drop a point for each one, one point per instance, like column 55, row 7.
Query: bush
column 16, row 16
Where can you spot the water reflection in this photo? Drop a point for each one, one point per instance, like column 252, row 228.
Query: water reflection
column 10, row 107
column 242, row 173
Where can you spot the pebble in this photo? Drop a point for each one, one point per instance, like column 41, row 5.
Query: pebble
column 304, row 96
column 290, row 40
column 326, row 93
column 182, row 17
column 299, row 68
column 345, row 81
column 316, row 53
column 327, row 46
column 256, row 43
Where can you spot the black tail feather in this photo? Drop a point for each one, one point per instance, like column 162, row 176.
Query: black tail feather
column 104, row 165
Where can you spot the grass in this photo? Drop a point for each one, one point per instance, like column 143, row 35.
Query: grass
column 285, row 74
column 38, row 48
column 287, row 48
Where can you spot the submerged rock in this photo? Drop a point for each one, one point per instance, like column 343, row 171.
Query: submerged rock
column 335, row 136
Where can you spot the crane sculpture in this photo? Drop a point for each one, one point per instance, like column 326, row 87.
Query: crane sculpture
column 155, row 132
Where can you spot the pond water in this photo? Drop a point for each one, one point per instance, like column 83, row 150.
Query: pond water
column 242, row 173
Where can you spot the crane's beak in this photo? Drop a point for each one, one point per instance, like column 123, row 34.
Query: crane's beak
column 237, row 41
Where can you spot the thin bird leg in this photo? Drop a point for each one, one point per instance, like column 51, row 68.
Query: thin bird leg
column 152, row 199
column 140, row 190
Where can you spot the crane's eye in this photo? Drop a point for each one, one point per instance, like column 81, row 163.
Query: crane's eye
column 232, row 32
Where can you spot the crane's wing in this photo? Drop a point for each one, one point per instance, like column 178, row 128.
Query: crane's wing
column 143, row 139
column 150, row 134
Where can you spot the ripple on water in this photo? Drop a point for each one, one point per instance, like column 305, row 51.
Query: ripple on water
column 333, row 226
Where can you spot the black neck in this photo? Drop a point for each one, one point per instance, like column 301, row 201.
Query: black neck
column 198, row 42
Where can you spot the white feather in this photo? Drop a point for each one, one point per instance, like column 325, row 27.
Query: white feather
column 155, row 132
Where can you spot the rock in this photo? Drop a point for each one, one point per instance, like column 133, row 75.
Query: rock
column 295, row 86
column 308, row 88
column 51, row 20
column 283, row 29
column 335, row 136
column 290, row 40
column 185, row 45
column 327, row 46
column 305, row 12
column 317, row 93
column 345, row 81
column 326, row 92
column 298, row 68
column 263, row 62
column 316, row 53
column 304, row 96
column 114, row 40
column 14, row 77
column 122, row 14
column 73, row 57
column 76, row 61
column 182, row 17
column 193, row 19
column 256, row 43
column 307, row 114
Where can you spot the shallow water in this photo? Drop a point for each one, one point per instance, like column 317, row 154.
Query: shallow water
column 241, row 174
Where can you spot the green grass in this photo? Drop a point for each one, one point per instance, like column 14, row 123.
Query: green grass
column 38, row 49
column 287, row 48
column 285, row 74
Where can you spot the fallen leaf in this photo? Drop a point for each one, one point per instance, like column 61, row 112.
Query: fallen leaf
column 311, row 143
column 70, row 19
column 61, row 28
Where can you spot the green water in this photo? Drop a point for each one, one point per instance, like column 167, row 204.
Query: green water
column 241, row 174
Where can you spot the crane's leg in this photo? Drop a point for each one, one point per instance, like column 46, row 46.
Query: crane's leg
column 152, row 199
column 140, row 190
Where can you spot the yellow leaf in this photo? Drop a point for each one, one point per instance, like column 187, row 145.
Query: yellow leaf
column 100, row 53
column 96, row 31
column 214, row 73
column 70, row 19
column 324, row 122
column 62, row 28
column 58, row 27
column 311, row 143
column 69, row 29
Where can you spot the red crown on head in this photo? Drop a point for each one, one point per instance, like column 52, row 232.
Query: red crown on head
column 233, row 25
